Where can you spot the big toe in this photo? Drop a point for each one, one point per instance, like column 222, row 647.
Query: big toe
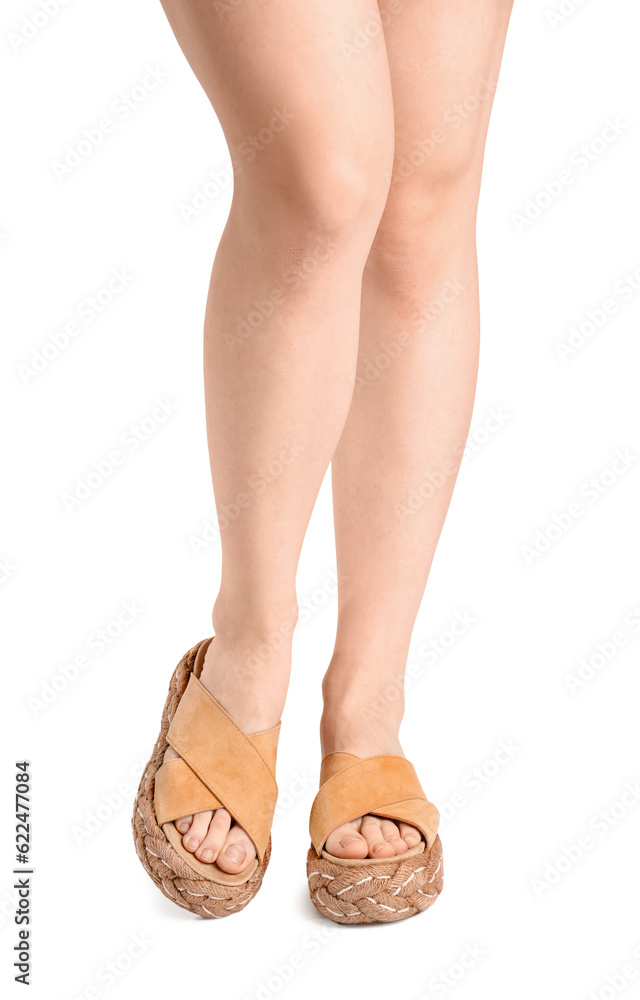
column 237, row 853
column 346, row 842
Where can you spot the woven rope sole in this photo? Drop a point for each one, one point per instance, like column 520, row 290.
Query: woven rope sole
column 173, row 876
column 377, row 893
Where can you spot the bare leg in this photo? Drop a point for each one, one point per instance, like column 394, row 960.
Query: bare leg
column 416, row 375
column 313, row 136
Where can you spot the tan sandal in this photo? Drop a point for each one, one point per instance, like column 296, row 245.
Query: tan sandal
column 372, row 890
column 219, row 766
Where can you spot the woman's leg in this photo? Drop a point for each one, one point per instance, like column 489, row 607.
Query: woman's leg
column 395, row 466
column 312, row 137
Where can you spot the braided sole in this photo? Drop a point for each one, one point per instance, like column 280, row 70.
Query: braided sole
column 173, row 876
column 377, row 893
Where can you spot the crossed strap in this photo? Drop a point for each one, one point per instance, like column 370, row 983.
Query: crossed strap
column 384, row 785
column 219, row 767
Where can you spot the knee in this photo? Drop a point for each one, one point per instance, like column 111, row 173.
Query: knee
column 345, row 198
column 428, row 227
column 339, row 199
column 430, row 215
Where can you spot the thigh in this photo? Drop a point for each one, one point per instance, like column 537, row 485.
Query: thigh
column 286, row 96
column 444, row 58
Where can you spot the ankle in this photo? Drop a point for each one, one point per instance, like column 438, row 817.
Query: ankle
column 251, row 689
column 367, row 689
column 351, row 733
column 259, row 638
column 360, row 716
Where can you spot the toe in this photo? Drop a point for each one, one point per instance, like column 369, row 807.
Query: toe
column 346, row 842
column 391, row 834
column 378, row 846
column 238, row 851
column 197, row 831
column 410, row 835
column 184, row 823
column 215, row 836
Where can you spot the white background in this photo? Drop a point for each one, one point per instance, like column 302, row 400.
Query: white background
column 505, row 679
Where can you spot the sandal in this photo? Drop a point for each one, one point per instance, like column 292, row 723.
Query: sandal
column 219, row 766
column 372, row 890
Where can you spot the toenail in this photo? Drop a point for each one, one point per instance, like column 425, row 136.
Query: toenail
column 193, row 844
column 207, row 855
column 183, row 827
column 235, row 853
column 346, row 843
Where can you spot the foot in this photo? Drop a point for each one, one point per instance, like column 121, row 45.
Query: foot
column 255, row 701
column 347, row 726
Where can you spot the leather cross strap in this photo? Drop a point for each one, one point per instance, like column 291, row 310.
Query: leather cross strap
column 220, row 766
column 385, row 785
